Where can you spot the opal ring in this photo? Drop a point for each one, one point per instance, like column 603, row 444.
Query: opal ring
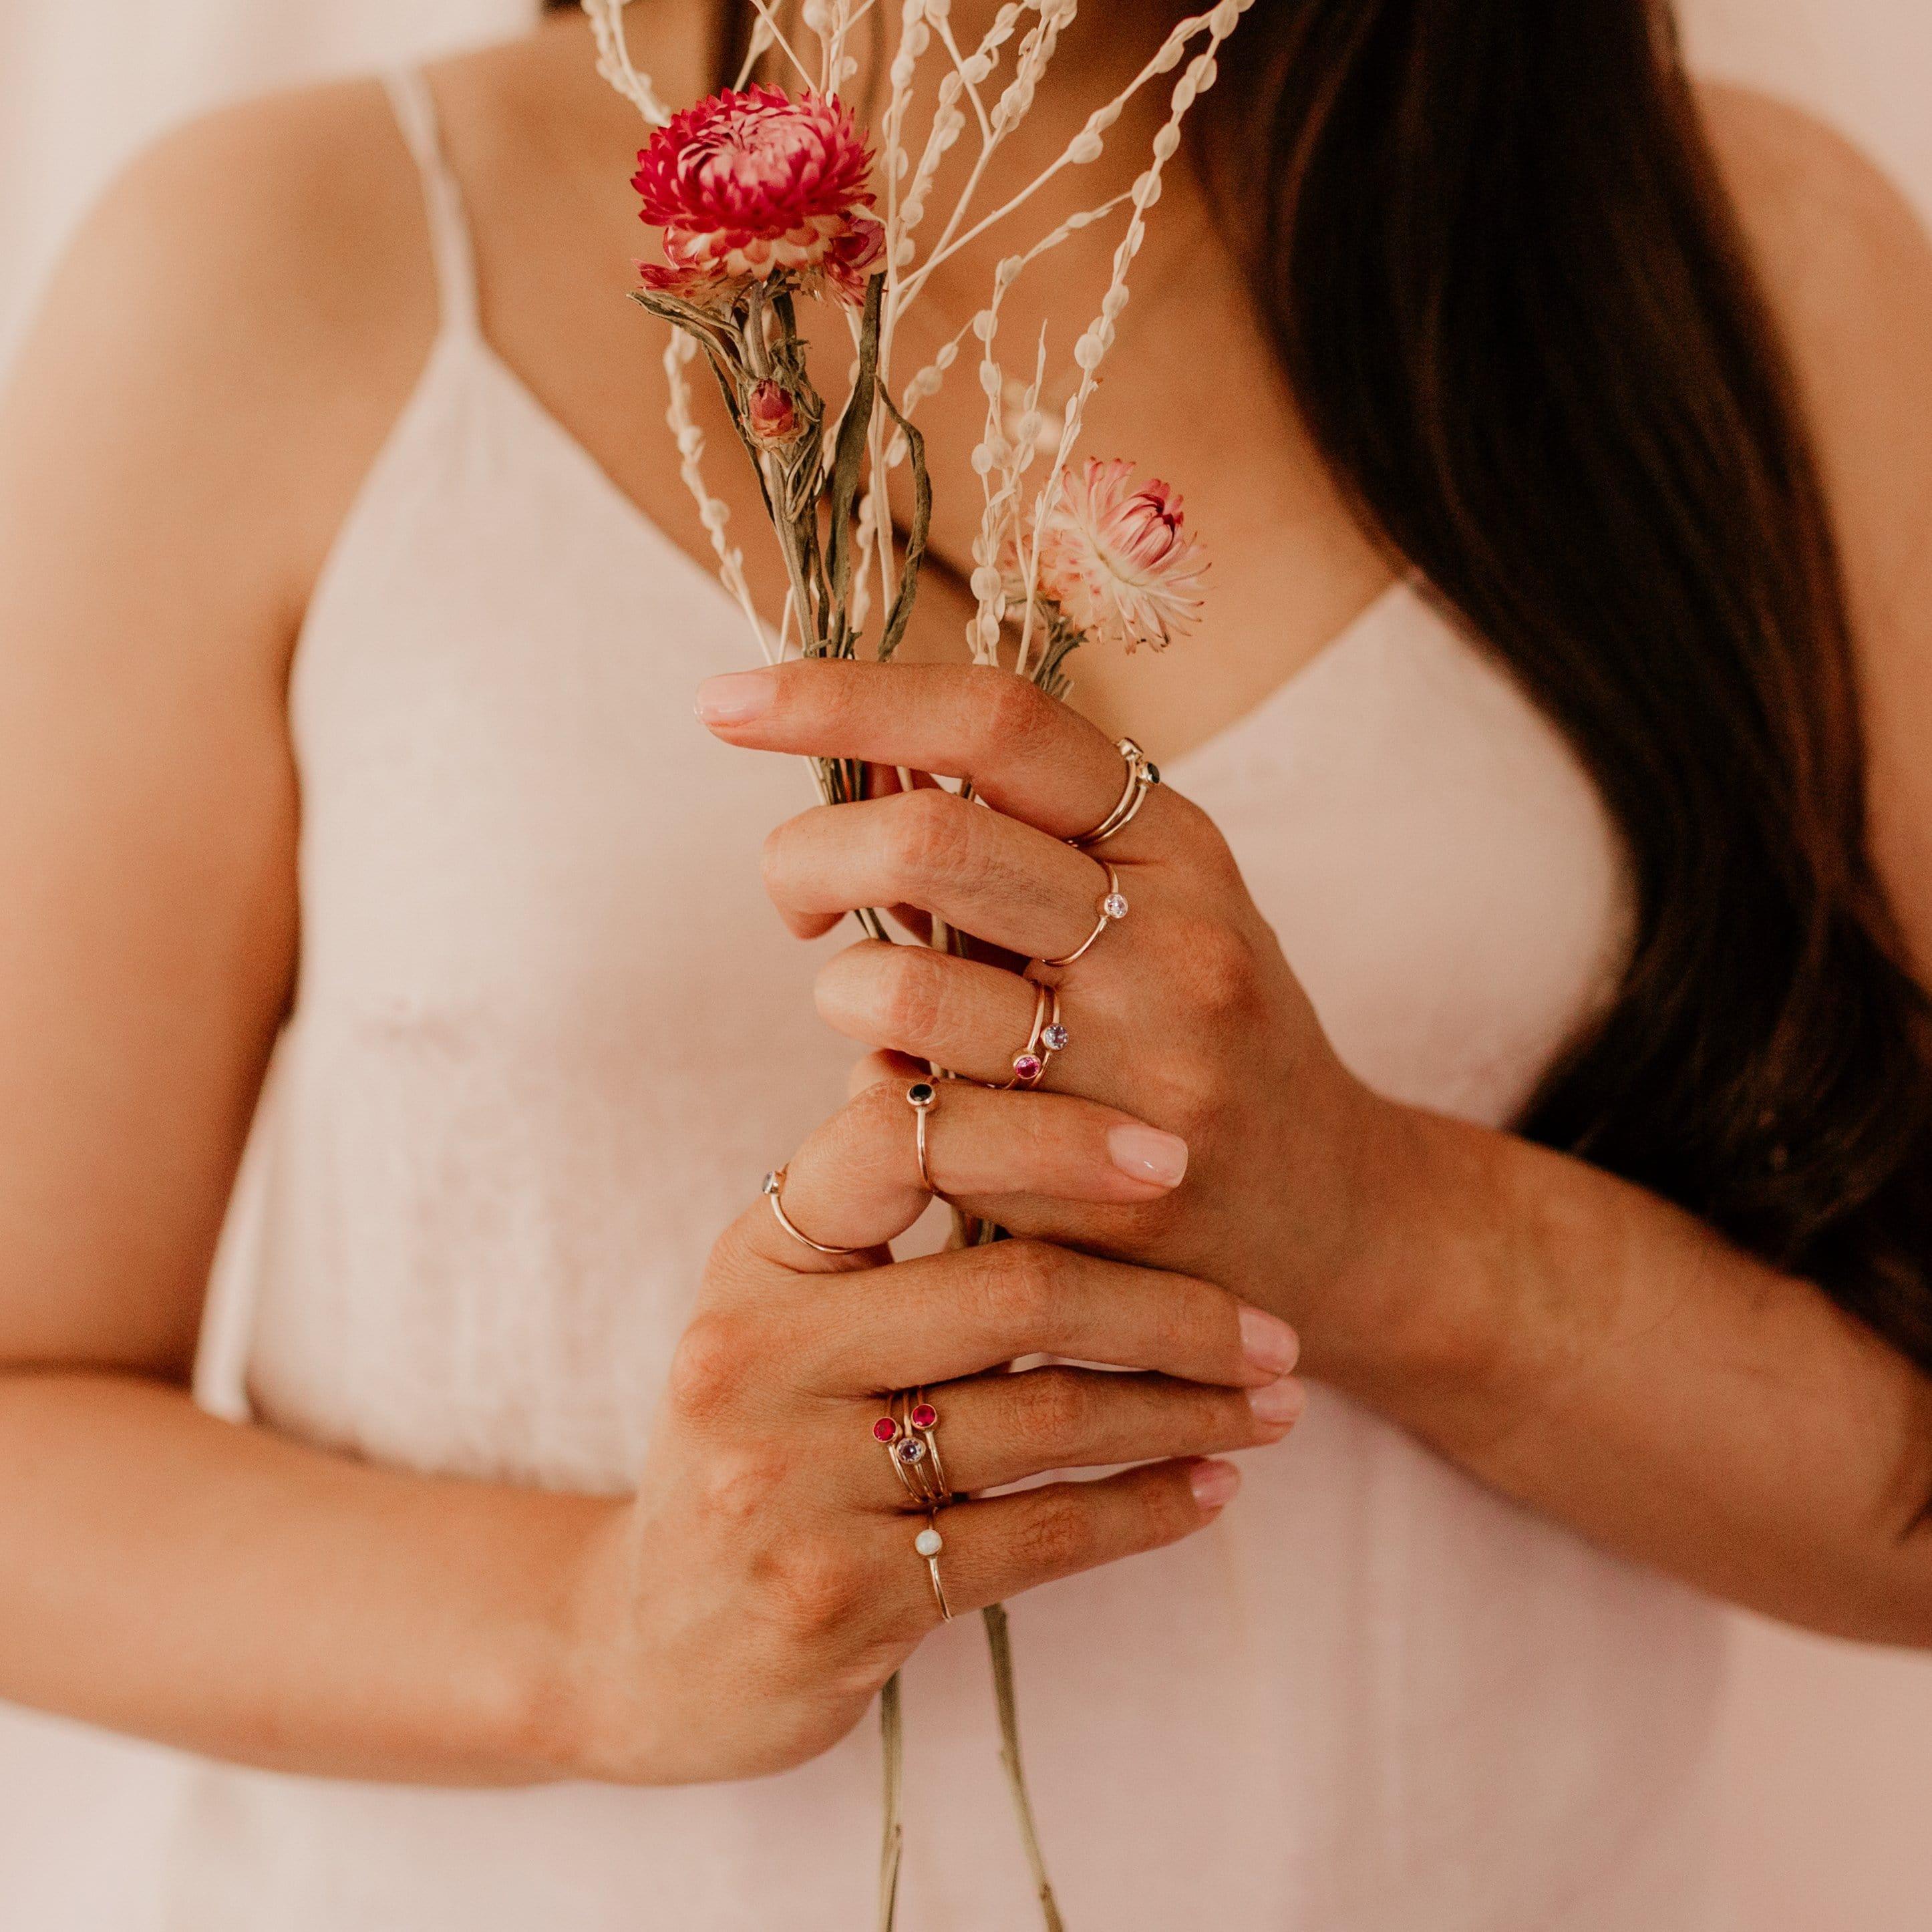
column 1048, row 1037
column 1143, row 775
column 929, row 1543
column 775, row 1182
column 1112, row 906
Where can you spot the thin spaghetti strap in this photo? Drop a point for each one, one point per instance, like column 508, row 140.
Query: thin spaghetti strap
column 414, row 109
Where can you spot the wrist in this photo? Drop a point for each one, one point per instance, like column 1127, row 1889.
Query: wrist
column 580, row 1714
column 1415, row 1323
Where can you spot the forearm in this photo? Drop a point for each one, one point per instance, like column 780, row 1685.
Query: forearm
column 1605, row 1358
column 231, row 1592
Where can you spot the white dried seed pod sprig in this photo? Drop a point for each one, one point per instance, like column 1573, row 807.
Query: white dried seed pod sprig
column 713, row 512
column 614, row 62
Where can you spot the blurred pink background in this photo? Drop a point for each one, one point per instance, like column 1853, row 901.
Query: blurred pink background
column 1829, row 1748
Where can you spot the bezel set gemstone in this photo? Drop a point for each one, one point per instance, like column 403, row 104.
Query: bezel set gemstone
column 928, row 1543
column 912, row 1450
column 1115, row 905
column 924, row 1415
column 774, row 1181
column 922, row 1093
column 1055, row 1038
column 1028, row 1066
column 886, row 1429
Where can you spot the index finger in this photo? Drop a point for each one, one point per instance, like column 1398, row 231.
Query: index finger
column 1027, row 754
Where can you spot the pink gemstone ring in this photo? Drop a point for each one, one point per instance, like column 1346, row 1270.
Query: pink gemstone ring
column 1047, row 1038
column 906, row 1434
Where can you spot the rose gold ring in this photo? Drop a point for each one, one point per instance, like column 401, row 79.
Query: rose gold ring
column 1143, row 775
column 928, row 1543
column 1048, row 1037
column 921, row 1096
column 1112, row 906
column 775, row 1182
column 905, row 1431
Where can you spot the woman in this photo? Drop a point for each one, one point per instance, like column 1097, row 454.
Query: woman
column 1588, row 1173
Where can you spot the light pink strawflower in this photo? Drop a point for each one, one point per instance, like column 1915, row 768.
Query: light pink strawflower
column 749, row 185
column 1116, row 561
column 771, row 415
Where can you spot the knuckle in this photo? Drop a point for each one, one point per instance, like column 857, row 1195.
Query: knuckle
column 1054, row 1534
column 707, row 1377
column 931, row 839
column 1014, row 715
column 1026, row 1281
column 1223, row 971
column 738, row 1487
column 812, row 1587
column 1055, row 1412
column 912, row 993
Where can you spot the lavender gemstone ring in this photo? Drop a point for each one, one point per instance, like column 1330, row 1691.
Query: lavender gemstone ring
column 1048, row 1037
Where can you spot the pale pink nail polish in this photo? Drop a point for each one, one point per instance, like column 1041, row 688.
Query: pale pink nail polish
column 1269, row 1343
column 1278, row 1403
column 737, row 697
column 1214, row 1483
column 1148, row 1154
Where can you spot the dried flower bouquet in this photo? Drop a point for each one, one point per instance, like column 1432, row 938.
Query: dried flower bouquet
column 764, row 198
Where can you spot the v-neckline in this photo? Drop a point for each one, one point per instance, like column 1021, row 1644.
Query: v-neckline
column 632, row 514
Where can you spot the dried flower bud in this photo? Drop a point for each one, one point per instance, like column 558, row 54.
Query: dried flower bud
column 771, row 415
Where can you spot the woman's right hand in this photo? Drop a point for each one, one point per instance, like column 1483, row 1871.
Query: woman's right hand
column 740, row 1617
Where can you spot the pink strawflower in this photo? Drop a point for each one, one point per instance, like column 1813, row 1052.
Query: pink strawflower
column 749, row 185
column 771, row 415
column 1116, row 561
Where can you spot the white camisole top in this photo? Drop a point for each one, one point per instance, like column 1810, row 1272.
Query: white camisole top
column 549, row 1035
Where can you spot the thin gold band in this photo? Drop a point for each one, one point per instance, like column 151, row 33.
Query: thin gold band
column 921, row 1096
column 1045, row 1040
column 931, row 1556
column 1143, row 775
column 1111, row 905
column 774, row 1191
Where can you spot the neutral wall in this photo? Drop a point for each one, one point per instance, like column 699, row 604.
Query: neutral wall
column 1830, row 1747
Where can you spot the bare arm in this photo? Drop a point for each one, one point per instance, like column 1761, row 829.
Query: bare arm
column 211, row 378
column 1638, row 1376
column 165, row 485
column 1573, row 1341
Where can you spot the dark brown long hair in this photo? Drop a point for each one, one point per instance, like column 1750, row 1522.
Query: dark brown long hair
column 1509, row 296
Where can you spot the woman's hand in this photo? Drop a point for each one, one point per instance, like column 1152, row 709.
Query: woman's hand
column 766, row 1583
column 1185, row 1011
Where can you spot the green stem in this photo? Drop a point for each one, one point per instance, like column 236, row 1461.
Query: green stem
column 891, row 1736
column 999, row 1641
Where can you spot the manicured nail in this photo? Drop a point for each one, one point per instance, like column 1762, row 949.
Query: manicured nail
column 1279, row 1404
column 1268, row 1342
column 1148, row 1154
column 1214, row 1483
column 737, row 697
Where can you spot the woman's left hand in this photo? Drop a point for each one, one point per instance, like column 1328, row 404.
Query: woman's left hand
column 1183, row 1013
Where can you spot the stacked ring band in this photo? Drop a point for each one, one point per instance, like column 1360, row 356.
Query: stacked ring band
column 775, row 1182
column 1111, row 905
column 1048, row 1037
column 906, row 1433
column 1143, row 775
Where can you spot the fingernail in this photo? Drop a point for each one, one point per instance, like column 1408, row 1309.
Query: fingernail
column 1148, row 1154
column 737, row 697
column 1268, row 1342
column 1279, row 1404
column 1214, row 1483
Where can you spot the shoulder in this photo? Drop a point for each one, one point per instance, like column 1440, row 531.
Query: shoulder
column 252, row 288
column 1848, row 268
column 1846, row 264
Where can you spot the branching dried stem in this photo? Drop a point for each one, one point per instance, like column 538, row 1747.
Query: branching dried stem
column 827, row 487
